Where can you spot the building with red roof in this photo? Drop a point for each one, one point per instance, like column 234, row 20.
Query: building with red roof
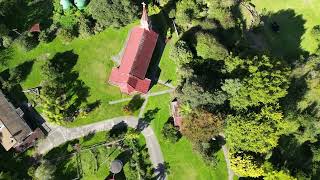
column 177, row 118
column 130, row 76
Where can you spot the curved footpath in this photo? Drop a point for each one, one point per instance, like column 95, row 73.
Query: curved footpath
column 59, row 135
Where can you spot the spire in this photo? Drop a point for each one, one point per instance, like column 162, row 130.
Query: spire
column 144, row 19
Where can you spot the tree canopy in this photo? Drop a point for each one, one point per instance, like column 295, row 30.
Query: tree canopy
column 116, row 13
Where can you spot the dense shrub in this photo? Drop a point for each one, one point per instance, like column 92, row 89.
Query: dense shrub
column 114, row 13
column 26, row 41
column 170, row 132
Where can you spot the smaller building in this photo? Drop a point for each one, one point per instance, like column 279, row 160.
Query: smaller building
column 177, row 118
column 14, row 130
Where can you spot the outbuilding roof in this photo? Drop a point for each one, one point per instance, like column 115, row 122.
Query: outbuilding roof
column 11, row 120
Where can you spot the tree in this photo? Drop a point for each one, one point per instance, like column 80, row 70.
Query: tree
column 315, row 32
column 263, row 81
column 5, row 176
column 5, row 6
column 62, row 93
column 188, row 11
column 194, row 95
column 170, row 132
column 255, row 132
column 209, row 48
column 201, row 126
column 116, row 13
column 45, row 171
column 279, row 175
column 181, row 53
column 220, row 10
column 246, row 165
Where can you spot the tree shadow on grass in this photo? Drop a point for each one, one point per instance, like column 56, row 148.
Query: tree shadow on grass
column 118, row 130
column 146, row 120
column 74, row 89
column 286, row 42
column 135, row 103
column 296, row 157
column 124, row 157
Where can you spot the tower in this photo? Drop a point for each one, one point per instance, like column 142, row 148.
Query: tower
column 144, row 22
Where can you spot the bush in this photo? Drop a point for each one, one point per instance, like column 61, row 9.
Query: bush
column 26, row 41
column 67, row 35
column 315, row 32
column 85, row 28
column 116, row 13
column 170, row 132
column 6, row 41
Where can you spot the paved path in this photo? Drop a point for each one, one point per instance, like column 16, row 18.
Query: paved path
column 144, row 96
column 60, row 135
column 226, row 157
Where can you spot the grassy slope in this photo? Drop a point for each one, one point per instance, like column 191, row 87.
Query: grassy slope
column 183, row 161
column 309, row 9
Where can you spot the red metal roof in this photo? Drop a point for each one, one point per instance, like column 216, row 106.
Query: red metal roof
column 130, row 76
column 35, row 28
column 138, row 53
column 175, row 113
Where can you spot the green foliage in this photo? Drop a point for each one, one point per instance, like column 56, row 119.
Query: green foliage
column 194, row 95
column 308, row 82
column 201, row 126
column 221, row 11
column 279, row 175
column 209, row 48
column 316, row 153
column 45, row 171
column 5, row 176
column 246, row 165
column 139, row 161
column 5, row 6
column 62, row 93
column 315, row 32
column 181, row 53
column 26, row 41
column 255, row 132
column 265, row 82
column 170, row 132
column 188, row 11
column 306, row 128
column 116, row 13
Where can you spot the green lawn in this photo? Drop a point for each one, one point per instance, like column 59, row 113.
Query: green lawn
column 94, row 66
column 168, row 67
column 308, row 9
column 95, row 163
column 183, row 161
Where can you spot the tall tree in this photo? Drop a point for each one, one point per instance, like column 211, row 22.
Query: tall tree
column 201, row 126
column 115, row 13
column 45, row 171
column 209, row 48
column 259, row 81
column 255, row 132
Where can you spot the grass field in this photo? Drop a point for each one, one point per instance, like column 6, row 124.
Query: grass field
column 94, row 66
column 308, row 9
column 183, row 161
